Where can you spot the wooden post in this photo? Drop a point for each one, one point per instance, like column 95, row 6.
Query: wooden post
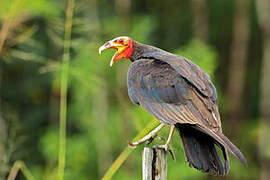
column 154, row 164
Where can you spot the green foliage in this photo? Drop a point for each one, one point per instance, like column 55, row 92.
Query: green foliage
column 49, row 145
column 36, row 8
column 79, row 152
column 100, row 117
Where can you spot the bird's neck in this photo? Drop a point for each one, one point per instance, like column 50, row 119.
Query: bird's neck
column 146, row 52
column 139, row 50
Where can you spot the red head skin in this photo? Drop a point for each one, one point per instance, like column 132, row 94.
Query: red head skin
column 123, row 46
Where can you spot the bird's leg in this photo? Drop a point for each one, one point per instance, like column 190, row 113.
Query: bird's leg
column 148, row 137
column 166, row 146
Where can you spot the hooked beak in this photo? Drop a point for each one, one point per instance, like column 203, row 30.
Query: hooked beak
column 109, row 45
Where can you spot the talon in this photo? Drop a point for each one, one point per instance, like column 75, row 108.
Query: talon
column 172, row 153
column 165, row 147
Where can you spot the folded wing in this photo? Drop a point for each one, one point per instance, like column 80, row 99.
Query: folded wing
column 171, row 99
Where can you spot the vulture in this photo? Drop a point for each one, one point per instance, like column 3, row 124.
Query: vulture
column 179, row 94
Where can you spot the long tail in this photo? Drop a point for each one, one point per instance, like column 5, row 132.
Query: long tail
column 222, row 140
column 201, row 152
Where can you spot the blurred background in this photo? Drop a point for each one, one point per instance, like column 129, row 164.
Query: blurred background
column 229, row 39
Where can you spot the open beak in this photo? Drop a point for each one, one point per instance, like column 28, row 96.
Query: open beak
column 107, row 45
column 110, row 45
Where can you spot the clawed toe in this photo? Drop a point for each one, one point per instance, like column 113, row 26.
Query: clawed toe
column 172, row 153
column 151, row 136
column 166, row 148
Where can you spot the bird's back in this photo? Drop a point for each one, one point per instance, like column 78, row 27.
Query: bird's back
column 158, row 86
column 173, row 100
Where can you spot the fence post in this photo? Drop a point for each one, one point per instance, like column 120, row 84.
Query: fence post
column 154, row 164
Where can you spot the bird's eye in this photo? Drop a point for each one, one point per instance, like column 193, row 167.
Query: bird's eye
column 121, row 41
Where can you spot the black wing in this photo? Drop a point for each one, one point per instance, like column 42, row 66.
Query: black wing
column 168, row 96
column 172, row 99
column 186, row 68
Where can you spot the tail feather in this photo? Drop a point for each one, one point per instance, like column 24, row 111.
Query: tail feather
column 200, row 151
column 233, row 149
column 226, row 143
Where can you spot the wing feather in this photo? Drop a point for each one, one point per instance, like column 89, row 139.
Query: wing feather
column 171, row 99
column 168, row 96
column 187, row 69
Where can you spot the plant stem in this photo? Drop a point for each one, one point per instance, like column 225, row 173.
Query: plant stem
column 64, row 85
column 127, row 151
column 8, row 21
column 19, row 165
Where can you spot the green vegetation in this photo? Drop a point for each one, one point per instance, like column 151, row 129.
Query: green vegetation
column 65, row 114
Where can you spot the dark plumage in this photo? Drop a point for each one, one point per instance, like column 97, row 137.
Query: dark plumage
column 178, row 92
column 201, row 152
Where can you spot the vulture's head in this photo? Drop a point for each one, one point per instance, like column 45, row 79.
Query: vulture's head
column 122, row 45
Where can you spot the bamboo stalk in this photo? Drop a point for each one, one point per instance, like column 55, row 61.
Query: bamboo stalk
column 64, row 85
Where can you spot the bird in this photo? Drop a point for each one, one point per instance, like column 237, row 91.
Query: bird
column 179, row 94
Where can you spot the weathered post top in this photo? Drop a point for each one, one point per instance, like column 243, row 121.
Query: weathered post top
column 154, row 164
